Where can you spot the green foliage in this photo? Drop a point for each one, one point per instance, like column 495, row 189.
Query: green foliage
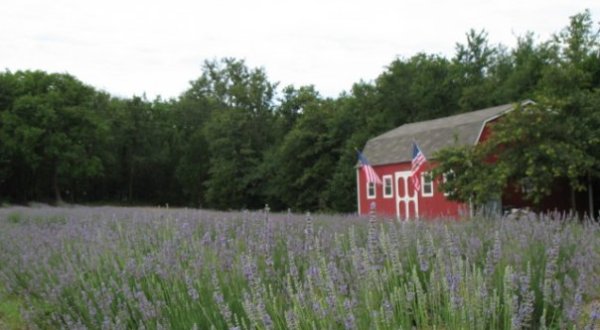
column 10, row 315
column 473, row 63
column 14, row 217
column 419, row 88
column 469, row 177
column 192, row 169
column 144, row 139
column 305, row 159
column 237, row 133
column 51, row 129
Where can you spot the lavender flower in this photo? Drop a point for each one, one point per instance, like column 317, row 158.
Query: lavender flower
column 125, row 266
column 594, row 316
column 291, row 320
column 494, row 255
column 423, row 262
column 453, row 282
column 309, row 233
column 350, row 322
column 524, row 311
column 145, row 306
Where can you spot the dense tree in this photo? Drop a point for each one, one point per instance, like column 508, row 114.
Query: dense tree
column 419, row 88
column 189, row 115
column 192, row 167
column 293, row 105
column 237, row 133
column 474, row 63
column 518, row 74
column 51, row 130
column 142, row 140
column 306, row 158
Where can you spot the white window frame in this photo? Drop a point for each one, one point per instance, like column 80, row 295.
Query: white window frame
column 388, row 179
column 368, row 186
column 423, row 176
column 526, row 186
column 445, row 179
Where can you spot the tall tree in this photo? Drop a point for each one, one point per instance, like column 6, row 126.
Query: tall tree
column 144, row 145
column 517, row 75
column 51, row 128
column 473, row 62
column 575, row 59
column 419, row 88
column 306, row 158
column 238, row 132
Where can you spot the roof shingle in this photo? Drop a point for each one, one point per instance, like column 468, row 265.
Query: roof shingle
column 395, row 146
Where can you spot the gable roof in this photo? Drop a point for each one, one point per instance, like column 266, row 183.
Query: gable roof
column 395, row 146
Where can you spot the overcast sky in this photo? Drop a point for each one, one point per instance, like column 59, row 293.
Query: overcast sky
column 157, row 47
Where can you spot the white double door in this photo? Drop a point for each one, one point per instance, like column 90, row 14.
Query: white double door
column 407, row 202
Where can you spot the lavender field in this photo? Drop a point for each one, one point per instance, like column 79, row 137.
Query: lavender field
column 145, row 268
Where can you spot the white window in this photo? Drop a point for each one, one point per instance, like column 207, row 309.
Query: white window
column 426, row 184
column 371, row 192
column 388, row 190
column 526, row 186
column 445, row 177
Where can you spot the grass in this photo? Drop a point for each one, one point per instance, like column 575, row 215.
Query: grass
column 14, row 217
column 10, row 315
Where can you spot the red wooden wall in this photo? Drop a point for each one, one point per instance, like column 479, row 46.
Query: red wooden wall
column 436, row 206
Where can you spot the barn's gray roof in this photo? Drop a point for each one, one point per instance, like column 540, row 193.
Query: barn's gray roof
column 395, row 146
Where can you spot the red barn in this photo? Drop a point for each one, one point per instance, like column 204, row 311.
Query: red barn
column 390, row 155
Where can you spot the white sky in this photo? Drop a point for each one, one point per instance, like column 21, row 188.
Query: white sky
column 157, row 47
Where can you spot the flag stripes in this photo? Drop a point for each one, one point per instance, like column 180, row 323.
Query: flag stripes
column 417, row 162
column 368, row 169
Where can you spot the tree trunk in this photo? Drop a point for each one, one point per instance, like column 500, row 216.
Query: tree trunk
column 130, row 183
column 55, row 186
column 590, row 196
column 573, row 204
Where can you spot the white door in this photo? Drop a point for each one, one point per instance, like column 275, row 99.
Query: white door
column 407, row 203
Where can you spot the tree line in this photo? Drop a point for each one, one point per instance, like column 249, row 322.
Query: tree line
column 234, row 139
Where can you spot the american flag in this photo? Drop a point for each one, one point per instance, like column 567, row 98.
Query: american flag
column 418, row 159
column 368, row 169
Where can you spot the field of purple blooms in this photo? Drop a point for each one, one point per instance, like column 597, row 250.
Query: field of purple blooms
column 150, row 268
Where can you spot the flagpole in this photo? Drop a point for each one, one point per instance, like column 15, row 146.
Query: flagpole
column 357, row 153
column 357, row 167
